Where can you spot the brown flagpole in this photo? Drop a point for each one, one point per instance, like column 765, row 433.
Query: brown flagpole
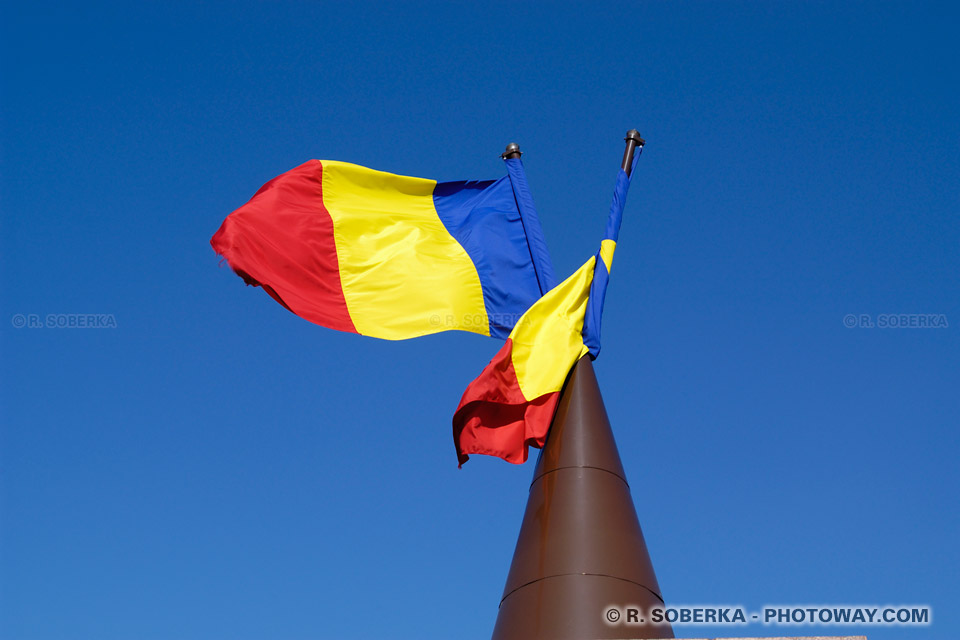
column 580, row 552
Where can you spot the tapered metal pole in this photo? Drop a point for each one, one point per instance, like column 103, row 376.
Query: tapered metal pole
column 580, row 553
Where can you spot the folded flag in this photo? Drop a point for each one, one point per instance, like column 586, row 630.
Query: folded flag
column 391, row 256
column 510, row 405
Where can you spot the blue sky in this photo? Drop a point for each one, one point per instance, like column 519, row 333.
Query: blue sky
column 215, row 467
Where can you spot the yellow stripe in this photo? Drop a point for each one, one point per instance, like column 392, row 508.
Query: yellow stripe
column 403, row 274
column 606, row 253
column 547, row 340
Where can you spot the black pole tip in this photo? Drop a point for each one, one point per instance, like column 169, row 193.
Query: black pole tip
column 512, row 151
column 634, row 142
column 634, row 135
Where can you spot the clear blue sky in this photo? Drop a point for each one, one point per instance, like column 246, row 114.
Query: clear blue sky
column 215, row 467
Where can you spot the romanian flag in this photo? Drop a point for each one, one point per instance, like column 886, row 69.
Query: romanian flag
column 391, row 256
column 510, row 405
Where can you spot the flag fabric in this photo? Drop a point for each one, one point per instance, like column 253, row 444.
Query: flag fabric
column 510, row 405
column 391, row 256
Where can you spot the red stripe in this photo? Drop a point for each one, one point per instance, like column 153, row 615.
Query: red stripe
column 282, row 240
column 495, row 419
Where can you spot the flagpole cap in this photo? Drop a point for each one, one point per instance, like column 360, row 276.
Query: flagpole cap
column 634, row 142
column 634, row 135
column 512, row 151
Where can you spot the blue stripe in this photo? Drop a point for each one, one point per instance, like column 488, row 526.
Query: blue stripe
column 531, row 224
column 616, row 207
column 483, row 218
column 598, row 288
column 594, row 311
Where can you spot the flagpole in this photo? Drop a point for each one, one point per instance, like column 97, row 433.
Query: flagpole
column 580, row 552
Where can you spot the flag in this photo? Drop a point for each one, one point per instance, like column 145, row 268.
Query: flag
column 391, row 256
column 510, row 405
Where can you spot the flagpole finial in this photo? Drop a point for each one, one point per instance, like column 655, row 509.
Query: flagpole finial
column 512, row 151
column 633, row 141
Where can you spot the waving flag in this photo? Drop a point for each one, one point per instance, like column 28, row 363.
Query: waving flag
column 391, row 256
column 510, row 405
